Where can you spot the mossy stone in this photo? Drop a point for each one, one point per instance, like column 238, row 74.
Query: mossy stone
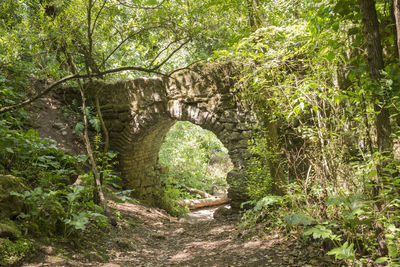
column 10, row 205
column 13, row 252
column 9, row 230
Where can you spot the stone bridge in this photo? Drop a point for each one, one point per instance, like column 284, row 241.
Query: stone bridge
column 138, row 113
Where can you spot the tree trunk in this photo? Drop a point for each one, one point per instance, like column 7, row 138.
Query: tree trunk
column 375, row 60
column 396, row 13
column 274, row 161
column 97, row 179
column 254, row 14
column 204, row 202
column 382, row 117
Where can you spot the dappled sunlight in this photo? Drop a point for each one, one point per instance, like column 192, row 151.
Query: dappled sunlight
column 181, row 256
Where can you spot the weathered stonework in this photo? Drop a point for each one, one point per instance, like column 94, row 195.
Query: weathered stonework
column 138, row 113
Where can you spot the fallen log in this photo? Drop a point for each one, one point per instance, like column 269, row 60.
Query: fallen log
column 204, row 202
column 197, row 191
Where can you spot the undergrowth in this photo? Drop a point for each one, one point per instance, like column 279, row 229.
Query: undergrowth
column 317, row 177
column 53, row 205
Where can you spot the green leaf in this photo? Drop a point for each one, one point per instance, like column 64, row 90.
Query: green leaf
column 330, row 56
column 320, row 231
column 79, row 221
column 381, row 260
column 79, row 127
column 372, row 173
column 13, row 193
column 346, row 251
column 298, row 219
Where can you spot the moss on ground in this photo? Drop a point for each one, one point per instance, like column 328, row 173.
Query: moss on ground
column 13, row 252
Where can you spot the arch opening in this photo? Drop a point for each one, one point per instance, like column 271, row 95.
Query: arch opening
column 193, row 158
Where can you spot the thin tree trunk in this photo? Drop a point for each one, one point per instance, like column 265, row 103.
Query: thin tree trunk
column 96, row 174
column 97, row 179
column 103, row 125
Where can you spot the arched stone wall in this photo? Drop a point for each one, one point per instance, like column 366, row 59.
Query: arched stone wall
column 138, row 113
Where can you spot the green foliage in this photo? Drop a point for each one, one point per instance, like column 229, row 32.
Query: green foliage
column 305, row 71
column 53, row 207
column 195, row 158
column 263, row 209
column 187, row 151
column 64, row 212
column 42, row 211
column 346, row 251
column 24, row 153
column 321, row 232
column 168, row 201
column 298, row 219
column 259, row 180
column 305, row 75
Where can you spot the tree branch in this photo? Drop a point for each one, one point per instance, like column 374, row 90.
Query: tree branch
column 98, row 15
column 141, row 7
column 183, row 68
column 162, row 51
column 170, row 55
column 122, row 42
column 47, row 90
column 77, row 76
column 135, row 68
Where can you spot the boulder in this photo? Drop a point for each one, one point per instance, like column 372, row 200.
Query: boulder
column 10, row 205
column 9, row 230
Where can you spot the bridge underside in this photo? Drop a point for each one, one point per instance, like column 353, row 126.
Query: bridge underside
column 138, row 113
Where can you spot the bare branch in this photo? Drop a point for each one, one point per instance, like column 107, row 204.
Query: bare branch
column 184, row 68
column 141, row 7
column 170, row 55
column 162, row 51
column 47, row 90
column 89, row 33
column 124, row 41
column 135, row 68
column 98, row 15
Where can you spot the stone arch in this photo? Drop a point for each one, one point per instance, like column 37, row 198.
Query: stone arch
column 138, row 113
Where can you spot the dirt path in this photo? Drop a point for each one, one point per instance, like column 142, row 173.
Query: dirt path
column 149, row 237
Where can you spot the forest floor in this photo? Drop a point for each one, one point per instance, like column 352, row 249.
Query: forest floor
column 149, row 237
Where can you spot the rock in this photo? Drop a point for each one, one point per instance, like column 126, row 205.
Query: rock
column 221, row 213
column 59, row 126
column 10, row 205
column 125, row 243
column 9, row 230
column 48, row 250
